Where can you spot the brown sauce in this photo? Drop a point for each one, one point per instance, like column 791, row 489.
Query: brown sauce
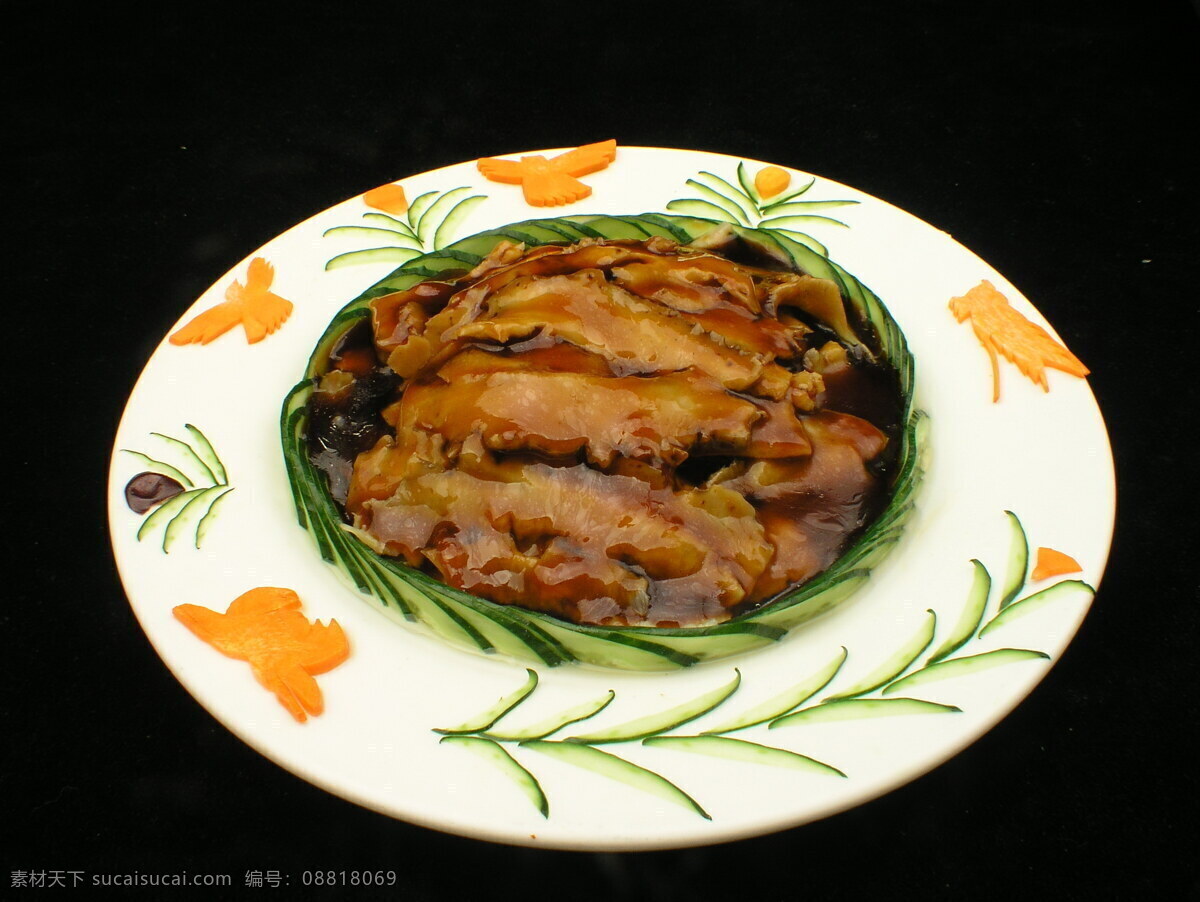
column 616, row 433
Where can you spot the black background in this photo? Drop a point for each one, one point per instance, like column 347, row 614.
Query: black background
column 150, row 148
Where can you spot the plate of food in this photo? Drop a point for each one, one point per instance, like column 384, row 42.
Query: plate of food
column 611, row 498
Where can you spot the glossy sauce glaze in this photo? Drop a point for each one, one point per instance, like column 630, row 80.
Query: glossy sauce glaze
column 614, row 432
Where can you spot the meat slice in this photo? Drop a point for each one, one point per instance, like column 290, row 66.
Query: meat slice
column 658, row 419
column 809, row 507
column 497, row 538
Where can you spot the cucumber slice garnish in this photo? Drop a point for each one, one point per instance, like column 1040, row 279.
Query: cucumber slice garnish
column 786, row 701
column 487, row 717
column 971, row 616
column 497, row 755
column 615, row 768
column 551, row 725
column 854, row 708
column 663, row 721
column 741, row 750
column 1027, row 605
column 961, row 666
column 896, row 664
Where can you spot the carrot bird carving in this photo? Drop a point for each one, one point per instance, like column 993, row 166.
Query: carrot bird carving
column 265, row 628
column 552, row 182
column 1001, row 329
column 254, row 305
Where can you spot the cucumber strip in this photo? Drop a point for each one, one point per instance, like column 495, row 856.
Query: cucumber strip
column 712, row 196
column 547, row 649
column 970, row 617
column 188, row 453
column 896, row 664
column 662, row 721
column 679, row 234
column 375, row 582
column 167, row 510
column 735, row 193
column 807, row 240
column 487, row 717
column 741, row 750
column 508, row 765
column 209, row 517
column 417, row 208
column 653, row 229
column 700, row 208
column 960, row 666
column 401, row 238
column 551, row 725
column 783, row 199
column 808, row 206
column 187, row 513
column 855, row 708
column 438, row 210
column 1018, row 562
column 520, row 236
column 580, row 224
column 747, row 184
column 622, row 648
column 455, row 218
column 1037, row 600
column 371, row 255
column 392, row 222
column 786, row 701
column 207, row 453
column 800, row 220
column 611, row 227
column 551, row 225
column 159, row 466
column 609, row 765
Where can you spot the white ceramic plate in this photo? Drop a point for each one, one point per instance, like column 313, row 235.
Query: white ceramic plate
column 1044, row 456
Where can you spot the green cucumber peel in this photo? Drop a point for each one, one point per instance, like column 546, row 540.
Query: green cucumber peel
column 662, row 721
column 741, row 750
column 205, row 451
column 855, row 708
column 786, row 701
column 167, row 511
column 703, row 208
column 1038, row 600
column 784, row 198
column 508, row 765
column 371, row 255
column 776, row 222
column 551, row 725
column 712, row 196
column 486, row 718
column 202, row 500
column 209, row 517
column 1018, row 562
column 455, row 217
column 189, row 454
column 895, row 665
column 748, row 188
column 735, row 193
column 403, row 239
column 805, row 239
column 971, row 615
column 391, row 222
column 955, row 667
column 160, row 467
column 807, row 206
column 614, row 767
column 417, row 208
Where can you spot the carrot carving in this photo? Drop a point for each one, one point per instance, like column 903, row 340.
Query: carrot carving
column 770, row 181
column 1002, row 329
column 388, row 198
column 254, row 305
column 1053, row 563
column 552, row 182
column 265, row 627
